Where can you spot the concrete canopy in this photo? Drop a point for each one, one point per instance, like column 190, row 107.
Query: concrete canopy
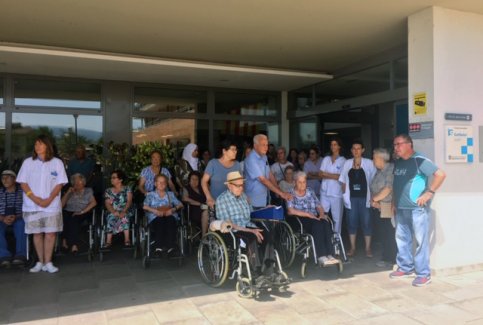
column 310, row 36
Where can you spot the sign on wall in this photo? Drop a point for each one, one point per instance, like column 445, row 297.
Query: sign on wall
column 459, row 144
column 420, row 104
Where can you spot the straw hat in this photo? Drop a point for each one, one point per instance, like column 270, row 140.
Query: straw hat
column 233, row 176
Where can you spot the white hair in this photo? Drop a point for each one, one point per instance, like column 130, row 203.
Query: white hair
column 258, row 137
column 299, row 174
column 383, row 153
column 78, row 175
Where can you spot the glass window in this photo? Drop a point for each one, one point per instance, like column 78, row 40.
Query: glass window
column 63, row 128
column 2, row 138
column 242, row 132
column 303, row 133
column 169, row 100
column 246, row 104
column 177, row 132
column 401, row 73
column 369, row 81
column 48, row 93
column 1, row 91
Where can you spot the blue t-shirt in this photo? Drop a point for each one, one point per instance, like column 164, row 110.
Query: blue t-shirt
column 411, row 180
column 218, row 174
column 256, row 166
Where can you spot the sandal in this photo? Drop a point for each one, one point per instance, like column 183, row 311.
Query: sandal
column 107, row 245
column 350, row 253
column 369, row 253
column 127, row 244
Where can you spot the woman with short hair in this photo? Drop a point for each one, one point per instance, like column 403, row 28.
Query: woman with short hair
column 42, row 177
column 162, row 208
column 146, row 179
column 213, row 181
column 77, row 203
column 194, row 196
column 118, row 202
column 306, row 206
column 356, row 176
column 381, row 194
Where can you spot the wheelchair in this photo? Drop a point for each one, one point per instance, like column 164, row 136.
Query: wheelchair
column 146, row 243
column 218, row 254
column 193, row 231
column 101, row 234
column 305, row 246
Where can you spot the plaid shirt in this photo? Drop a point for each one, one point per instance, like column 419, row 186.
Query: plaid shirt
column 307, row 203
column 236, row 209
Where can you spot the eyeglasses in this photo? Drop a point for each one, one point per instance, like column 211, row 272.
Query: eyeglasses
column 399, row 143
column 237, row 185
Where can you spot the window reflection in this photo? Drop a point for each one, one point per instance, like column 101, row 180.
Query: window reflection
column 1, row 92
column 176, row 132
column 169, row 100
column 67, row 94
column 2, row 137
column 246, row 104
column 62, row 128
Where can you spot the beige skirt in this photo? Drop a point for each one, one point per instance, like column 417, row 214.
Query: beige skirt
column 42, row 222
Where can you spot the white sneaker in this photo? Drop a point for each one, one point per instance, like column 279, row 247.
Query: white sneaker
column 332, row 260
column 323, row 260
column 37, row 268
column 49, row 267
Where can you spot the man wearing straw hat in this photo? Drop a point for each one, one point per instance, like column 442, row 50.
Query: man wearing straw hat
column 232, row 205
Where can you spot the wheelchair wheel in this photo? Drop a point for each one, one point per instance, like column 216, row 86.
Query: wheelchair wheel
column 101, row 256
column 303, row 269
column 284, row 242
column 213, row 259
column 146, row 262
column 244, row 288
column 340, row 267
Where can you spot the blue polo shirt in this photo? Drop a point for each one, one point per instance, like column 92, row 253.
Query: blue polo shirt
column 256, row 166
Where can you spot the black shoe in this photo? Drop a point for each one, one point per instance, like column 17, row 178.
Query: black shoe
column 158, row 252
column 174, row 253
column 5, row 262
column 19, row 260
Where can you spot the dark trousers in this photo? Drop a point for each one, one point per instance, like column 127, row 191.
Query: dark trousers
column 72, row 226
column 387, row 234
column 320, row 230
column 261, row 256
column 164, row 229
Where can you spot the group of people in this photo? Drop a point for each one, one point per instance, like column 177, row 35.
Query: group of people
column 310, row 188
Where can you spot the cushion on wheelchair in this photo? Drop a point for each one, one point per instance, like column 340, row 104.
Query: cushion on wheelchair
column 270, row 213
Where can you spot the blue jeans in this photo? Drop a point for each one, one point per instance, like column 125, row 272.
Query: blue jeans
column 409, row 223
column 359, row 214
column 20, row 239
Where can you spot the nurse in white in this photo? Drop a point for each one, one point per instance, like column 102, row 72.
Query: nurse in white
column 41, row 177
column 331, row 189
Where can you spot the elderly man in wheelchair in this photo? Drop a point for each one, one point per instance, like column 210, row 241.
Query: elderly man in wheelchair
column 239, row 244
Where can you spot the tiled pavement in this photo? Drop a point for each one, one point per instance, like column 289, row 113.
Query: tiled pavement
column 120, row 291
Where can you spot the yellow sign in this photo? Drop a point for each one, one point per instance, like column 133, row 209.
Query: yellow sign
column 420, row 104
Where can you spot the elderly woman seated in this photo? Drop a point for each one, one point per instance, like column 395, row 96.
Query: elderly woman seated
column 194, row 196
column 307, row 207
column 161, row 208
column 77, row 204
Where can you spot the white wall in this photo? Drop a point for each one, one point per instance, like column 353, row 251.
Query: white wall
column 445, row 52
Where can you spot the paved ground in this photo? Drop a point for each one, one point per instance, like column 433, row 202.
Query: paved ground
column 119, row 291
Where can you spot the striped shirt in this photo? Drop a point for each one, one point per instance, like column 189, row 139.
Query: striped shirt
column 11, row 202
